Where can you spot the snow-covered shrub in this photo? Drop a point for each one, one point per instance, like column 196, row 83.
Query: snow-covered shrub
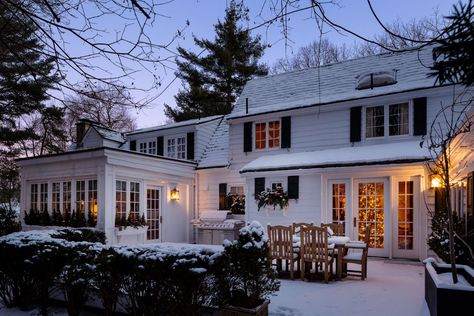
column 107, row 279
column 8, row 221
column 80, row 234
column 250, row 278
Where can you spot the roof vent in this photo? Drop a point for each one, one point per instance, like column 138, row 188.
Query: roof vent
column 376, row 79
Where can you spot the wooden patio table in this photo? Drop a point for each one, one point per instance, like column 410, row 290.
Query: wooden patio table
column 338, row 242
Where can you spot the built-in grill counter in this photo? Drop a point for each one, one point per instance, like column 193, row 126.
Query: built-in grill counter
column 213, row 227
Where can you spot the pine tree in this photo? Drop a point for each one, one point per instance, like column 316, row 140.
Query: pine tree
column 212, row 83
column 27, row 125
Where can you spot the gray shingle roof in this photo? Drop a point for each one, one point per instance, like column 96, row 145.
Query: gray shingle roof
column 217, row 151
column 338, row 81
column 176, row 124
column 109, row 134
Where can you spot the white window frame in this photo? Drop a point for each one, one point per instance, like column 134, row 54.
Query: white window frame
column 142, row 196
column 152, row 147
column 143, row 147
column 267, row 135
column 387, row 120
column 175, row 137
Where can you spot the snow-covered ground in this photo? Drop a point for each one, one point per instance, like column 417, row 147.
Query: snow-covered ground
column 392, row 288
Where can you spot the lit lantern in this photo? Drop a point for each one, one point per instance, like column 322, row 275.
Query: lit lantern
column 436, row 181
column 174, row 194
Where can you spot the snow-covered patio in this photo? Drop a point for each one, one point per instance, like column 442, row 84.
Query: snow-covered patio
column 392, row 288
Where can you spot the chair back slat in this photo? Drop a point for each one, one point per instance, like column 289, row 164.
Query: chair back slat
column 337, row 228
column 314, row 244
column 281, row 242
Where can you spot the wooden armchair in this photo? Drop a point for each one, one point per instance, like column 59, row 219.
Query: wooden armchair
column 281, row 246
column 357, row 253
column 337, row 228
column 315, row 249
column 298, row 226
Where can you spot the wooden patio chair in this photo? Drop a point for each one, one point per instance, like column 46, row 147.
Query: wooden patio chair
column 281, row 246
column 315, row 249
column 337, row 228
column 357, row 253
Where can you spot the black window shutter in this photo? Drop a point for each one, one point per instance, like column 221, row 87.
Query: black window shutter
column 248, row 136
column 293, row 187
column 286, row 132
column 259, row 186
column 356, row 121
column 190, row 146
column 419, row 116
column 159, row 146
column 133, row 145
column 223, row 196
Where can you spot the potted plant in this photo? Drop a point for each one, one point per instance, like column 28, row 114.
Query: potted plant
column 277, row 197
column 250, row 279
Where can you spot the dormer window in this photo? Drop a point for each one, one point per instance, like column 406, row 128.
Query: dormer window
column 376, row 79
column 267, row 134
column 176, row 147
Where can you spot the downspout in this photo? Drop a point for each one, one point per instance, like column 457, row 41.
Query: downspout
column 196, row 205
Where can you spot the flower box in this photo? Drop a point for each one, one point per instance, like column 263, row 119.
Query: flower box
column 261, row 310
column 130, row 230
column 445, row 298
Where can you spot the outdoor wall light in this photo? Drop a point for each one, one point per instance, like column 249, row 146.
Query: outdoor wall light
column 436, row 181
column 174, row 194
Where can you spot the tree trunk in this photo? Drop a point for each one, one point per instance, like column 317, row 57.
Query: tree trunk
column 447, row 201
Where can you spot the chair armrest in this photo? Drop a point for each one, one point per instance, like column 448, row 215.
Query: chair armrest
column 356, row 245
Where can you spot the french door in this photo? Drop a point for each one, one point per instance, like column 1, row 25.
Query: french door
column 153, row 199
column 371, row 213
column 405, row 218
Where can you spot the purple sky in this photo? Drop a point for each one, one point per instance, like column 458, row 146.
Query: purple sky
column 202, row 14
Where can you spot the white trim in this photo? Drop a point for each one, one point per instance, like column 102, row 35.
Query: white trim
column 386, row 112
column 175, row 137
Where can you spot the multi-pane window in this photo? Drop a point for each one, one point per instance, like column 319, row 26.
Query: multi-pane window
column 143, row 148
column 339, row 203
column 236, row 190
column 43, row 197
column 171, row 147
column 92, row 199
column 405, row 215
column 152, row 148
column 274, row 134
column 260, row 135
column 276, row 185
column 398, row 119
column 120, row 198
column 374, row 118
column 181, row 151
column 56, row 196
column 81, row 196
column 267, row 135
column 176, row 147
column 34, row 196
column 134, row 200
column 66, row 197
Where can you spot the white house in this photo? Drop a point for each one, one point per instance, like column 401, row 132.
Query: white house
column 342, row 139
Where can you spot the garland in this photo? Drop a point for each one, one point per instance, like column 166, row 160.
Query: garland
column 274, row 198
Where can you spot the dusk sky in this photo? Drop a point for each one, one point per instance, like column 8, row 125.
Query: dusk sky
column 202, row 14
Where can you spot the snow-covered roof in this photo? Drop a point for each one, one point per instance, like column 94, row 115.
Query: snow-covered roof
column 109, row 134
column 402, row 152
column 217, row 151
column 176, row 124
column 335, row 82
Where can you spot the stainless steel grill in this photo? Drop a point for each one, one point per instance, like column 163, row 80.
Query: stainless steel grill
column 213, row 227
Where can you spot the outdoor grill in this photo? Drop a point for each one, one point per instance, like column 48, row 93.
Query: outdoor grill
column 213, row 227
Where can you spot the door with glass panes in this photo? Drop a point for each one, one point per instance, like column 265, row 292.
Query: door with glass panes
column 153, row 212
column 405, row 217
column 372, row 212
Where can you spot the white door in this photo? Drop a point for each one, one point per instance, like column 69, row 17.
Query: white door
column 371, row 211
column 405, row 217
column 153, row 211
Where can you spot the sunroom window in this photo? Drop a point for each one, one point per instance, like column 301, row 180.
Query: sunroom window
column 120, row 198
column 134, row 200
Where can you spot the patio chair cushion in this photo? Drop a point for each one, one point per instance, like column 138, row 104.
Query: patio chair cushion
column 356, row 256
column 330, row 231
column 356, row 244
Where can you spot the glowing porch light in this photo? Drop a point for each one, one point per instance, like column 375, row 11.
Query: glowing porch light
column 436, row 181
column 174, row 194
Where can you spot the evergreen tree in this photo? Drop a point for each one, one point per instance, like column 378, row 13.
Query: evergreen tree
column 454, row 57
column 25, row 120
column 211, row 83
